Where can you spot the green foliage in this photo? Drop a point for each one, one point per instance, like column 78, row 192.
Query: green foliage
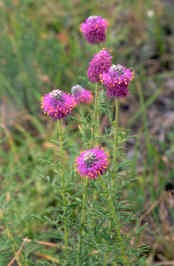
column 47, row 212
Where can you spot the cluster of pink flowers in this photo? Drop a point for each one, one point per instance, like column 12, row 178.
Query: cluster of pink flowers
column 58, row 104
column 92, row 163
column 100, row 63
column 115, row 78
column 81, row 95
column 94, row 29
column 116, row 81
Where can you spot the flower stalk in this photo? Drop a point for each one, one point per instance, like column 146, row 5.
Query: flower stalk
column 115, row 126
column 96, row 117
column 115, row 218
column 60, row 138
column 84, row 200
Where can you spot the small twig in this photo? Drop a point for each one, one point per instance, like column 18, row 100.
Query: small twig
column 51, row 244
column 150, row 209
column 165, row 263
column 37, row 254
column 19, row 251
column 47, row 257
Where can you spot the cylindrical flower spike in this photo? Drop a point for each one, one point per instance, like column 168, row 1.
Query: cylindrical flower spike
column 100, row 63
column 116, row 81
column 92, row 163
column 57, row 104
column 94, row 29
column 81, row 95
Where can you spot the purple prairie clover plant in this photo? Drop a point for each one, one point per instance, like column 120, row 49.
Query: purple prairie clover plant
column 101, row 62
column 81, row 95
column 92, row 163
column 57, row 104
column 94, row 29
column 116, row 81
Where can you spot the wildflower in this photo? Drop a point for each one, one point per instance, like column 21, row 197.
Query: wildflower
column 81, row 95
column 116, row 80
column 57, row 104
column 92, row 163
column 94, row 29
column 100, row 63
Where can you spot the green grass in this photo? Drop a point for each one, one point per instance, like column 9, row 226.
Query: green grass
column 48, row 214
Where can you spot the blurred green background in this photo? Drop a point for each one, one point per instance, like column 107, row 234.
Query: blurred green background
column 41, row 48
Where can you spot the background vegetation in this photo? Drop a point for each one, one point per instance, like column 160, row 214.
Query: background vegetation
column 41, row 48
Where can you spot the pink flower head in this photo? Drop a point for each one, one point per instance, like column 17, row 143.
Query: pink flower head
column 116, row 81
column 100, row 63
column 94, row 29
column 81, row 95
column 92, row 163
column 57, row 104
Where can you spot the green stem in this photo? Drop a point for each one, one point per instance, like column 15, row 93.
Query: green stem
column 118, row 231
column 79, row 250
column 60, row 138
column 115, row 148
column 116, row 221
column 96, row 118
column 115, row 125
column 83, row 217
column 95, row 124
